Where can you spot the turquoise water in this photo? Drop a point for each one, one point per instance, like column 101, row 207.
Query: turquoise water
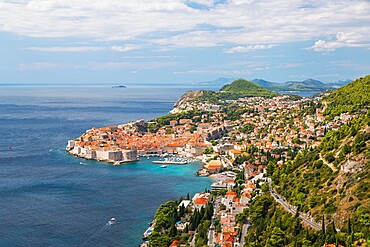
column 49, row 198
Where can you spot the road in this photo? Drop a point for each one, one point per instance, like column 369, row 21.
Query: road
column 244, row 233
column 212, row 230
column 287, row 207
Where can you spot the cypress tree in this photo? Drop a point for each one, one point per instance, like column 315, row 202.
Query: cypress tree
column 349, row 228
column 323, row 225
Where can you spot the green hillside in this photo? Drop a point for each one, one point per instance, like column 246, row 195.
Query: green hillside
column 333, row 179
column 246, row 88
column 352, row 98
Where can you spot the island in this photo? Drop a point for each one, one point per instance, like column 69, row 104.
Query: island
column 120, row 86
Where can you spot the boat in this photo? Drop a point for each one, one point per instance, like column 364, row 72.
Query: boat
column 163, row 166
column 117, row 163
column 112, row 221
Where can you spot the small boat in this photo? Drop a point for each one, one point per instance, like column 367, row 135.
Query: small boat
column 112, row 221
column 163, row 166
column 117, row 163
column 147, row 157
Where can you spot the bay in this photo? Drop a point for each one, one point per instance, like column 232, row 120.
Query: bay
column 49, row 198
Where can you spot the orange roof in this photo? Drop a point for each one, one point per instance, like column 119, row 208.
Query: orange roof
column 201, row 200
column 250, row 185
column 228, row 238
column 227, row 245
column 231, row 193
column 175, row 243
column 214, row 164
column 236, row 199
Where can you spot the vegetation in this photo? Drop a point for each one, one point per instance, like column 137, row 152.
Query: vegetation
column 351, row 98
column 272, row 226
column 244, row 88
column 168, row 214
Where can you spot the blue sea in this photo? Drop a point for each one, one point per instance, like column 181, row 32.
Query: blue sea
column 49, row 198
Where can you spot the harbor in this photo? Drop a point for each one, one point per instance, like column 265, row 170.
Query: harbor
column 173, row 161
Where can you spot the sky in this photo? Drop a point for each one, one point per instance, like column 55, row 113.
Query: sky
column 182, row 41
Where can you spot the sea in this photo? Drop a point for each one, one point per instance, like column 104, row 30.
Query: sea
column 50, row 198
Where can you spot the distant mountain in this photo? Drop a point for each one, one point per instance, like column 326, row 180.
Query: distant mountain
column 246, row 88
column 339, row 83
column 267, row 84
column 217, row 82
column 306, row 85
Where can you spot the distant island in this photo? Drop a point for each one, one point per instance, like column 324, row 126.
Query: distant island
column 120, row 86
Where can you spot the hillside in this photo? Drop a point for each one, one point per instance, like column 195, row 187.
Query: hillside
column 333, row 179
column 246, row 88
column 351, row 98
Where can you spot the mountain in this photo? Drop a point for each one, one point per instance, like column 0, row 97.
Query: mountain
column 244, row 88
column 306, row 85
column 274, row 86
column 217, row 82
column 339, row 82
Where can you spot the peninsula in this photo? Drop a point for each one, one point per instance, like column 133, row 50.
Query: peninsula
column 272, row 156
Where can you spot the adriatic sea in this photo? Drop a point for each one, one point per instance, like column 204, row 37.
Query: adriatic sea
column 49, row 198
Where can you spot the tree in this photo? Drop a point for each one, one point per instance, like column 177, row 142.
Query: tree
column 323, row 225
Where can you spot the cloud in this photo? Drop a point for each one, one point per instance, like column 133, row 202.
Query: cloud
column 126, row 48
column 67, row 49
column 38, row 66
column 175, row 23
column 342, row 39
column 248, row 48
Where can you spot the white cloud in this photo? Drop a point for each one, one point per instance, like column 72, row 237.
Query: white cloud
column 342, row 39
column 67, row 49
column 248, row 48
column 172, row 23
column 126, row 48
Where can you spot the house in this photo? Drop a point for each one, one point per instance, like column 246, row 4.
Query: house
column 214, row 166
column 234, row 153
column 200, row 200
column 173, row 123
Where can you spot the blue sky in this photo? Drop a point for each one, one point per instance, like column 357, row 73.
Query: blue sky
column 181, row 41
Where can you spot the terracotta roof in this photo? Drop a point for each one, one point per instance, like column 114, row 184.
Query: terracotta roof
column 175, row 243
column 201, row 200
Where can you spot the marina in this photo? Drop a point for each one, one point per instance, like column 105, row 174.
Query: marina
column 173, row 161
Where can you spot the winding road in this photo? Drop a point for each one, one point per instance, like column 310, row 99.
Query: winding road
column 287, row 207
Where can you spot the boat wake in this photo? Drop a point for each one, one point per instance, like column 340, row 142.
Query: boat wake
column 90, row 241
